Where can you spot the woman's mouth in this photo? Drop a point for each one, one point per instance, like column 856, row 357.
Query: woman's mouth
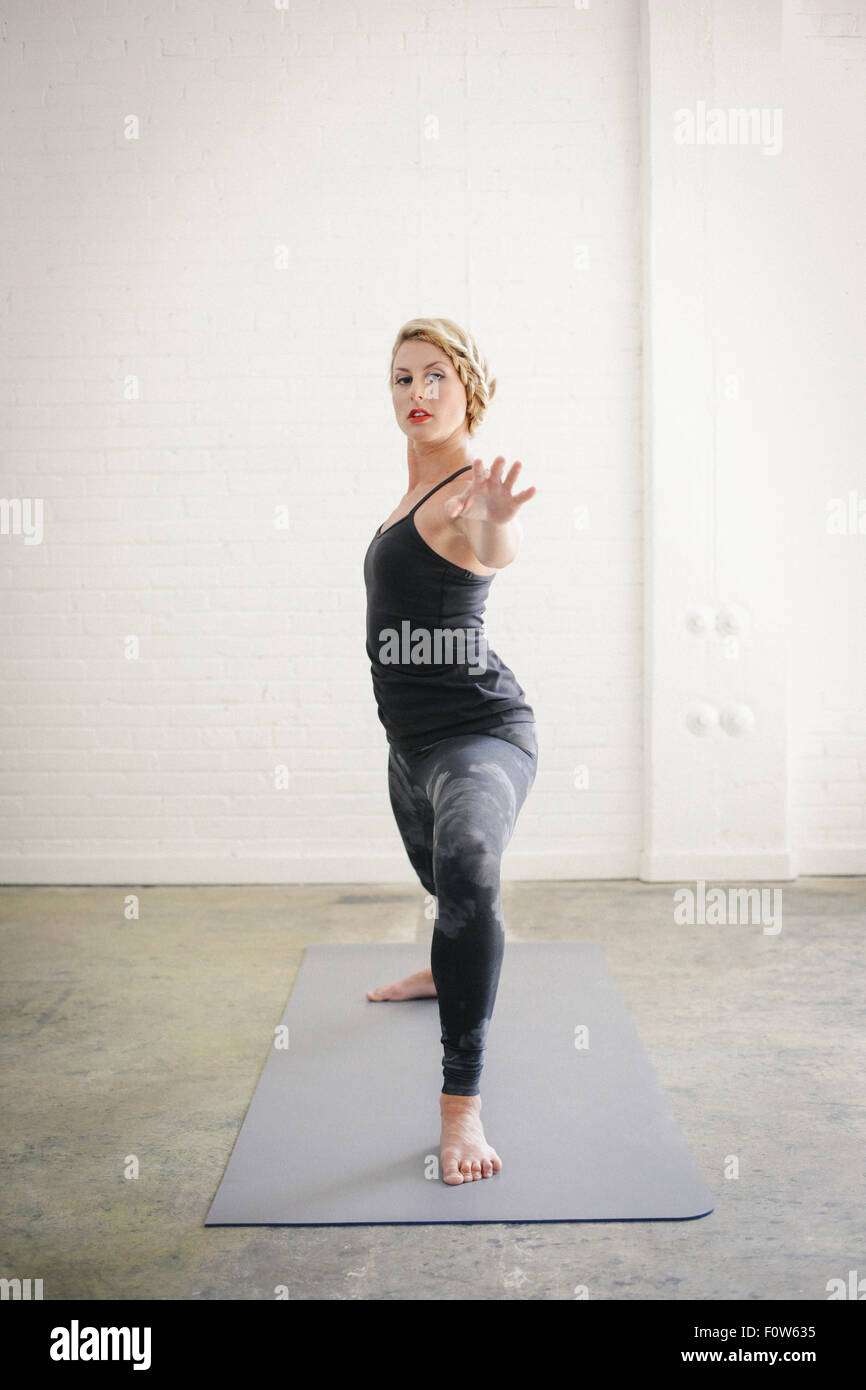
column 420, row 415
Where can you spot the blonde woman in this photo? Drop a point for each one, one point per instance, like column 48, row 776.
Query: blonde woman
column 462, row 745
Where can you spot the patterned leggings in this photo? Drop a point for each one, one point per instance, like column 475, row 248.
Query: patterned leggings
column 456, row 803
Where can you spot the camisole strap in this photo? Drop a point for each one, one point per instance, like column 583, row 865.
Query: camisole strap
column 437, row 487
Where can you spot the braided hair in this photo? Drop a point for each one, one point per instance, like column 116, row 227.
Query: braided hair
column 465, row 357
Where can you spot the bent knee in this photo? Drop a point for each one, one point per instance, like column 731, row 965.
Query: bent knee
column 470, row 861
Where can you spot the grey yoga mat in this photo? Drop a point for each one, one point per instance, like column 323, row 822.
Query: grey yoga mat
column 344, row 1123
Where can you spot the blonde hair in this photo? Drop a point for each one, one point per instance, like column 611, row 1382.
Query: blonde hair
column 464, row 355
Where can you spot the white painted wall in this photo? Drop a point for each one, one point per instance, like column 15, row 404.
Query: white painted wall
column 450, row 160
column 821, row 280
column 304, row 180
column 754, row 406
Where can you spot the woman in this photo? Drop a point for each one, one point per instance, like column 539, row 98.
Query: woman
column 462, row 745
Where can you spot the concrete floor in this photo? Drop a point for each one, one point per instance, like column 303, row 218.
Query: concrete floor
column 147, row 1038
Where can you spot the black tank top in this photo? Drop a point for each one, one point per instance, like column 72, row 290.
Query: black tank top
column 433, row 674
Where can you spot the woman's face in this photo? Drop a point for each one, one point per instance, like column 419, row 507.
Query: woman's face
column 424, row 380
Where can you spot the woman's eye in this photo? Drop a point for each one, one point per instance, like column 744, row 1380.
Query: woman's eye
column 401, row 379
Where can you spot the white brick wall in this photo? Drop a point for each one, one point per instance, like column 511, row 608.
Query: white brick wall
column 262, row 388
column 479, row 160
column 824, row 430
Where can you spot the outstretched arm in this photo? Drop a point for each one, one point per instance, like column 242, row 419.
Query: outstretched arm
column 486, row 512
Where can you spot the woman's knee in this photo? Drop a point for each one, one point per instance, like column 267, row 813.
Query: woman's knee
column 468, row 857
column 468, row 886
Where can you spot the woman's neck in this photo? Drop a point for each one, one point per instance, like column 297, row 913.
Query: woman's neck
column 429, row 466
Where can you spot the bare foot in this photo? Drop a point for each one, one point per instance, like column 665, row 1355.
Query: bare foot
column 464, row 1153
column 417, row 986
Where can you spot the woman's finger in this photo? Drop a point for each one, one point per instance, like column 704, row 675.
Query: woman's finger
column 511, row 475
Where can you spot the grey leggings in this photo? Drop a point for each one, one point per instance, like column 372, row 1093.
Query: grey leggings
column 456, row 803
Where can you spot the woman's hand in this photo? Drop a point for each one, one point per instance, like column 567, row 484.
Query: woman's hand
column 488, row 496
